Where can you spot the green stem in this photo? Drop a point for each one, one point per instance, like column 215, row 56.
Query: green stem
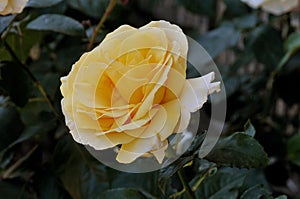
column 185, row 184
column 108, row 10
column 32, row 77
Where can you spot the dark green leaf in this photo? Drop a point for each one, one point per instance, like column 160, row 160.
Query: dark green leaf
column 256, row 192
column 141, row 181
column 21, row 45
column 42, row 4
column 125, row 193
column 82, row 176
column 10, row 125
column 89, row 7
column 235, row 8
column 49, row 187
column 219, row 39
column 293, row 147
column 12, row 74
column 239, row 150
column 245, row 22
column 5, row 21
column 11, row 191
column 207, row 7
column 291, row 45
column 249, row 129
column 267, row 45
column 57, row 23
column 224, row 184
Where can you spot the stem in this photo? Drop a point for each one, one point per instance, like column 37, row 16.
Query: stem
column 108, row 10
column 185, row 184
column 32, row 77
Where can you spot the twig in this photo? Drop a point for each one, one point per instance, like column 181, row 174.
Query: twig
column 185, row 184
column 108, row 10
column 35, row 81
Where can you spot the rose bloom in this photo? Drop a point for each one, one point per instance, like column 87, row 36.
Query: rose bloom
column 12, row 6
column 276, row 7
column 131, row 91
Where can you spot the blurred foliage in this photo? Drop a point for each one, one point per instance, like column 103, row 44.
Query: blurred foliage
column 257, row 54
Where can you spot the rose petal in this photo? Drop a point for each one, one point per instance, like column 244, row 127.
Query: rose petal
column 196, row 90
column 278, row 7
column 129, row 152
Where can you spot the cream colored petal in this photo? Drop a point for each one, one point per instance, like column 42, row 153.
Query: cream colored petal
column 131, row 151
column 174, row 85
column 278, row 7
column 159, row 154
column 17, row 5
column 254, row 3
column 172, row 109
column 133, row 124
column 157, row 123
column 159, row 81
column 185, row 117
column 150, row 38
column 3, row 4
column 196, row 90
column 174, row 35
column 67, row 81
column 132, row 80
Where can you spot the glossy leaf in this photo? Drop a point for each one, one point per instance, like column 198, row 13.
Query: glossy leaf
column 82, row 176
column 42, row 4
column 293, row 147
column 57, row 23
column 223, row 185
column 200, row 7
column 12, row 74
column 267, row 45
column 89, row 7
column 239, row 150
column 125, row 193
column 10, row 125
column 249, row 129
column 5, row 21
column 219, row 39
column 291, row 46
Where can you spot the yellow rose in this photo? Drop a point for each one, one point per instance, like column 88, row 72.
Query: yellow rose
column 276, row 7
column 131, row 91
column 12, row 6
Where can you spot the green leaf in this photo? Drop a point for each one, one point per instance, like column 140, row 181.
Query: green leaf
column 219, row 39
column 141, row 181
column 207, row 7
column 256, row 192
column 235, row 8
column 42, row 4
column 10, row 125
column 291, row 45
column 246, row 22
column 21, row 46
column 89, row 7
column 249, row 129
column 9, row 190
column 81, row 175
column 224, row 184
column 293, row 148
column 267, row 45
column 5, row 21
column 49, row 186
column 239, row 150
column 125, row 193
column 16, row 82
column 57, row 23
